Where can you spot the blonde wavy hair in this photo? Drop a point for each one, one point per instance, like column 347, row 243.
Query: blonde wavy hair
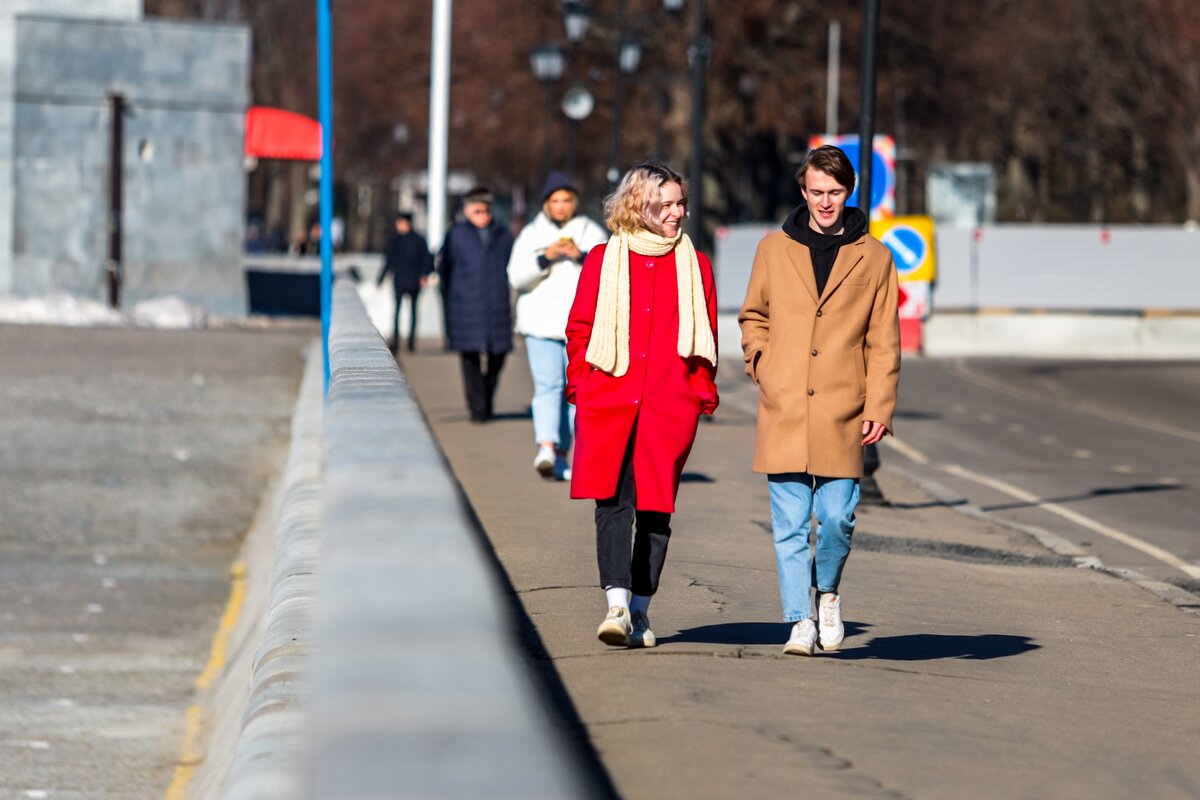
column 633, row 204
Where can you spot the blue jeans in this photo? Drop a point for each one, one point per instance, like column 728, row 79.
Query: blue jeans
column 792, row 506
column 553, row 416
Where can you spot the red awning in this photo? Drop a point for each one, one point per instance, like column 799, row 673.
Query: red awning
column 275, row 133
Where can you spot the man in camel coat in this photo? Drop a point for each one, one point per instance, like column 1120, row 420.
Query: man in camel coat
column 821, row 338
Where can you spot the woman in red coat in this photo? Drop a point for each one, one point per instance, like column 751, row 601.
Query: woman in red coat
column 641, row 343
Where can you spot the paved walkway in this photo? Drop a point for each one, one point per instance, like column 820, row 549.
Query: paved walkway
column 976, row 663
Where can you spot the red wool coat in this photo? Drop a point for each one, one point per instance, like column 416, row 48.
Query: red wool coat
column 663, row 393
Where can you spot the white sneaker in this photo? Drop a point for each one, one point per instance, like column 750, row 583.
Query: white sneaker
column 642, row 636
column 615, row 629
column 829, row 625
column 803, row 639
column 543, row 462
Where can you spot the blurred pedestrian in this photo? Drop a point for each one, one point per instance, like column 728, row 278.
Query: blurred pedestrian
column 821, row 338
column 641, row 341
column 408, row 261
column 473, row 270
column 544, row 269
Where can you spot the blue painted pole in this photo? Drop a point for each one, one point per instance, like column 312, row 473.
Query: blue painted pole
column 325, row 112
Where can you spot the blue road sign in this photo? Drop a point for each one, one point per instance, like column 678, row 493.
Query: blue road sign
column 908, row 248
column 879, row 169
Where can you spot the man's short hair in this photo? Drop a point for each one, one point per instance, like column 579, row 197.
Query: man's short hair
column 830, row 160
column 479, row 194
column 407, row 216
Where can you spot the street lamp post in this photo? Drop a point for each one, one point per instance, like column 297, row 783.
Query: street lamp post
column 629, row 55
column 578, row 102
column 548, row 62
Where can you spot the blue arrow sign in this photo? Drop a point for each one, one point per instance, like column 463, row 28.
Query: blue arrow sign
column 908, row 247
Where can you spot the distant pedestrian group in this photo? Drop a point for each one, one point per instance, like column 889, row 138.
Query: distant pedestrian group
column 620, row 333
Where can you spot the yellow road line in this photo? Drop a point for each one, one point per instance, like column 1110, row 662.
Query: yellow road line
column 192, row 754
column 1079, row 519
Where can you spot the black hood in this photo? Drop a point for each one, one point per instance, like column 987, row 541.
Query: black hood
column 796, row 226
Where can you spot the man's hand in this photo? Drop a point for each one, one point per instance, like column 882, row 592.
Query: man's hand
column 872, row 432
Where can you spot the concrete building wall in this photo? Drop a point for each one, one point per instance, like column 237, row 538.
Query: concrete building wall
column 9, row 9
column 186, row 86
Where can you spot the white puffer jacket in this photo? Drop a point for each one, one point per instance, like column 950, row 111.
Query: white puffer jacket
column 545, row 295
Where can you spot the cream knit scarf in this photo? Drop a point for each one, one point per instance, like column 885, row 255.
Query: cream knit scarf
column 609, row 346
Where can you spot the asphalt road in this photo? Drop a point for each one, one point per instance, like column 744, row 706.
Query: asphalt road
column 131, row 464
column 1104, row 454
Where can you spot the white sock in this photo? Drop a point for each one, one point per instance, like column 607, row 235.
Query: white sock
column 617, row 596
column 639, row 602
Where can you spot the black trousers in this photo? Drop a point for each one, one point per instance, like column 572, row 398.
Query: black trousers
column 618, row 520
column 479, row 383
column 412, row 320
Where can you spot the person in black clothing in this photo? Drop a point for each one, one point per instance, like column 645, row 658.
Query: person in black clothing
column 408, row 261
column 473, row 270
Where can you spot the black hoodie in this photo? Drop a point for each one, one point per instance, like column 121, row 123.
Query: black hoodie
column 824, row 248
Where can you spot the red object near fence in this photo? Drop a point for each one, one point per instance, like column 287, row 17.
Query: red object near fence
column 275, row 133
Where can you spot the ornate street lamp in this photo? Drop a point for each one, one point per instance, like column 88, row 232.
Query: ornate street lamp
column 629, row 54
column 548, row 62
column 576, row 17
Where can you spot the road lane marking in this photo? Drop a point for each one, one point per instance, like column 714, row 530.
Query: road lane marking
column 959, row 367
column 905, row 449
column 1083, row 453
column 1090, row 524
column 1124, row 469
column 220, row 644
column 193, row 740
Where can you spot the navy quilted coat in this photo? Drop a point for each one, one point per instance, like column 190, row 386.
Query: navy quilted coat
column 475, row 284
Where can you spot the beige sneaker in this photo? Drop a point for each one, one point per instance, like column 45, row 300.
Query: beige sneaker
column 803, row 640
column 615, row 629
column 642, row 636
column 829, row 621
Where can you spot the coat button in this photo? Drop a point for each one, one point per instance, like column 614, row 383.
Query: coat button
column 649, row 265
column 819, row 313
column 814, row 352
column 635, row 402
column 811, row 392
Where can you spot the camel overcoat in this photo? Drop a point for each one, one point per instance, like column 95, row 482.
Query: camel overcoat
column 656, row 403
column 822, row 364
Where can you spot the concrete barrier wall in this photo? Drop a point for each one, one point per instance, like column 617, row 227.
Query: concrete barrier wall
column 419, row 689
column 388, row 667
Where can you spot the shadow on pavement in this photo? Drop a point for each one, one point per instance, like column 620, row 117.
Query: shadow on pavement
column 932, row 646
column 1104, row 491
column 735, row 633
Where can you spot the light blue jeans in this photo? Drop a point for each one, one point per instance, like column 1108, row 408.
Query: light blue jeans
column 794, row 497
column 553, row 416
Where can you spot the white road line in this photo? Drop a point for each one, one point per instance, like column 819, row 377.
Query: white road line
column 1083, row 453
column 912, row 453
column 959, row 367
column 1079, row 519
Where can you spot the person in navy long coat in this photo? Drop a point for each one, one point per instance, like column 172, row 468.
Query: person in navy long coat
column 641, row 346
column 474, row 278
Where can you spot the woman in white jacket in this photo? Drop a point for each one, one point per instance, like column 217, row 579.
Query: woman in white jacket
column 544, row 268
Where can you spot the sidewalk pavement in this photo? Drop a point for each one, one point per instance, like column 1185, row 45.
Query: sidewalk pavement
column 976, row 663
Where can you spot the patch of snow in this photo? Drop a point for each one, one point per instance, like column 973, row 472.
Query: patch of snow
column 167, row 312
column 57, row 309
column 67, row 310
